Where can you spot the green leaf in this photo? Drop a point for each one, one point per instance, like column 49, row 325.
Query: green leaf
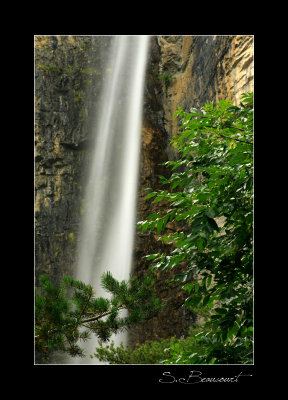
column 193, row 301
column 184, row 215
column 209, row 281
column 233, row 108
column 160, row 197
column 160, row 225
column 152, row 194
column 233, row 331
column 152, row 256
column 153, row 217
column 201, row 243
column 206, row 300
column 175, row 184
column 145, row 226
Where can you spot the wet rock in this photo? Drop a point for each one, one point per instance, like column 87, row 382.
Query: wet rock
column 66, row 95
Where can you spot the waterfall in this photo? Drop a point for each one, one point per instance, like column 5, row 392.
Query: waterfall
column 108, row 224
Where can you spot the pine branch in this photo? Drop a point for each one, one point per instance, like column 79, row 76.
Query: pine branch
column 99, row 316
column 56, row 324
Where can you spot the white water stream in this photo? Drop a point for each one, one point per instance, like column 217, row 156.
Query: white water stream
column 108, row 226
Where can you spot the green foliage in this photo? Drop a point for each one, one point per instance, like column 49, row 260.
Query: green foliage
column 210, row 190
column 71, row 237
column 150, row 352
column 72, row 69
column 206, row 348
column 166, row 78
column 68, row 313
column 51, row 67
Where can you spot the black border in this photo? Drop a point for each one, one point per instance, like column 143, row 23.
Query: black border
column 143, row 377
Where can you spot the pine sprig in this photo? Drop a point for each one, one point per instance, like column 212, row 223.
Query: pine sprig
column 68, row 313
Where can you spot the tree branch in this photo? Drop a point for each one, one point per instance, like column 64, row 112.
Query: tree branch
column 238, row 140
column 99, row 316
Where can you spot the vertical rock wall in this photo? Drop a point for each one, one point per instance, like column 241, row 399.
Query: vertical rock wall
column 68, row 77
column 174, row 320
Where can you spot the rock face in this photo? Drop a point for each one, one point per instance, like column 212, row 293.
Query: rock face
column 67, row 82
column 185, row 71
column 154, row 151
column 204, row 69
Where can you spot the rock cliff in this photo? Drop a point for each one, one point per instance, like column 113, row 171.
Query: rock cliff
column 67, row 83
column 204, row 69
column 185, row 71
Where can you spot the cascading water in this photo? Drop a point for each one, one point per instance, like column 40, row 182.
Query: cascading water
column 108, row 225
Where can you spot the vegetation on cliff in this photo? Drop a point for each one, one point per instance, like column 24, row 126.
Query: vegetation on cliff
column 210, row 191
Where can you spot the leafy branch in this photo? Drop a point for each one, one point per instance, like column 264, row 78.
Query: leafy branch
column 212, row 180
column 238, row 140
